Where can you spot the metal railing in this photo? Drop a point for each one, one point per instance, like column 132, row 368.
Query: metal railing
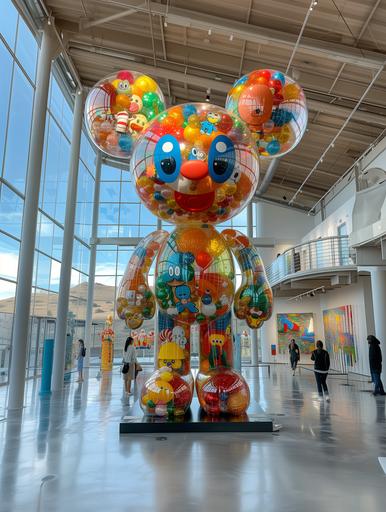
column 320, row 254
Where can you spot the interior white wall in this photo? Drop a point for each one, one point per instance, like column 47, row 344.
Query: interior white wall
column 357, row 295
column 285, row 225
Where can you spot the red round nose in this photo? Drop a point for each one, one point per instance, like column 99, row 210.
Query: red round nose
column 194, row 169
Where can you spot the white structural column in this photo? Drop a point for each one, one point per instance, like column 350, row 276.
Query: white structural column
column 254, row 346
column 93, row 249
column 68, row 242
column 378, row 289
column 28, row 233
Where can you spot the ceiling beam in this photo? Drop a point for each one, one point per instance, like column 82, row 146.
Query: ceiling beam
column 265, row 36
column 117, row 58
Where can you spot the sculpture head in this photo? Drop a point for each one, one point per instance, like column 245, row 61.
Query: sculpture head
column 195, row 163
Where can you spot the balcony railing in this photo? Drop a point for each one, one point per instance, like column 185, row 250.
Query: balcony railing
column 321, row 254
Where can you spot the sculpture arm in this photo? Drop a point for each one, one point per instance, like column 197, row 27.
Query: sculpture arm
column 135, row 300
column 254, row 299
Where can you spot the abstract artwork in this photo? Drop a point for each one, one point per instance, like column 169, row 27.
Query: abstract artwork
column 339, row 336
column 299, row 326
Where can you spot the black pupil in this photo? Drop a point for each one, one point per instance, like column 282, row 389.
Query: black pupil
column 168, row 165
column 220, row 166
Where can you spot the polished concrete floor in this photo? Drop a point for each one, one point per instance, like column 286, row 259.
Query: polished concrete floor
column 66, row 455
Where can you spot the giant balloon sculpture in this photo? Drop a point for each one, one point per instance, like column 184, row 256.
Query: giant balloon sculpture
column 195, row 165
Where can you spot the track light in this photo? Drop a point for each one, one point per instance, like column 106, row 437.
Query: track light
column 231, row 37
column 207, row 99
column 210, row 32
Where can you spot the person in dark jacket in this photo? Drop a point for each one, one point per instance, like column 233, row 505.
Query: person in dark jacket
column 375, row 360
column 294, row 353
column 321, row 366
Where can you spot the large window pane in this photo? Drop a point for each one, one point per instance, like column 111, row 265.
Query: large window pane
column 26, row 49
column 43, row 271
column 110, row 173
column 9, row 257
column 45, row 234
column 110, row 191
column 129, row 214
column 8, row 22
column 6, row 64
column 129, row 193
column 11, row 211
column 16, row 154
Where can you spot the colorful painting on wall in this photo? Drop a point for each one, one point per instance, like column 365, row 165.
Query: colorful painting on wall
column 299, row 326
column 339, row 336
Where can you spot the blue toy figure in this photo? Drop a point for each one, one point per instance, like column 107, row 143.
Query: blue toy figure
column 183, row 295
column 209, row 125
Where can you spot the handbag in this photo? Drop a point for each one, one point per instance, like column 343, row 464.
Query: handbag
column 125, row 367
column 138, row 368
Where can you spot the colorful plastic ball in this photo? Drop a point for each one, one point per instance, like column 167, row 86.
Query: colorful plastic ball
column 203, row 259
column 273, row 147
column 225, row 123
column 150, row 99
column 266, row 73
column 107, row 104
column 146, row 84
column 188, row 110
column 177, row 114
column 191, row 133
column 148, row 113
column 122, row 101
column 276, row 85
column 194, row 120
column 279, row 76
column 125, row 143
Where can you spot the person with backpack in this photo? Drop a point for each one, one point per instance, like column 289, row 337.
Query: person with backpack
column 294, row 353
column 129, row 364
column 321, row 360
column 80, row 358
column 375, row 360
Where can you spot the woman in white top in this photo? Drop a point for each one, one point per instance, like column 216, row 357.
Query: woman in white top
column 130, row 358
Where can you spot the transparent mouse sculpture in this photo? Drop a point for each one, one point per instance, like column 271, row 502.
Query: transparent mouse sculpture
column 195, row 166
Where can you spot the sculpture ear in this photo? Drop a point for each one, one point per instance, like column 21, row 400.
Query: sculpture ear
column 274, row 108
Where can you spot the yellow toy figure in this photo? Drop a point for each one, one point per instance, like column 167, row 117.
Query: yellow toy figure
column 195, row 166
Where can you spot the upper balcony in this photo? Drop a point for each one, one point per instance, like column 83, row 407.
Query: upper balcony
column 321, row 264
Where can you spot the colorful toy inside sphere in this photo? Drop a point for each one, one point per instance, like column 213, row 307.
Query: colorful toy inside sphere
column 118, row 108
column 195, row 163
column 274, row 108
column 166, row 393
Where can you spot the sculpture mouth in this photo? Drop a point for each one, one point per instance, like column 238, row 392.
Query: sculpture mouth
column 194, row 203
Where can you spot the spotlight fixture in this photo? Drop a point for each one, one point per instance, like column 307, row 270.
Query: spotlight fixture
column 165, row 23
column 231, row 37
column 210, row 32
column 207, row 99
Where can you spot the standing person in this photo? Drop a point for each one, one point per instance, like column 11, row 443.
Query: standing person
column 129, row 362
column 81, row 354
column 294, row 353
column 375, row 360
column 321, row 366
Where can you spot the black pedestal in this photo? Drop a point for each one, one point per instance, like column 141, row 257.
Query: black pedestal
column 196, row 420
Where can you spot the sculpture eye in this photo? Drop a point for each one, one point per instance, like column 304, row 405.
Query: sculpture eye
column 167, row 158
column 221, row 159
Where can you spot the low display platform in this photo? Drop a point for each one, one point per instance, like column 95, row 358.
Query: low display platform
column 196, row 420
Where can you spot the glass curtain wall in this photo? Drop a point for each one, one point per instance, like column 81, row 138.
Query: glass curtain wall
column 18, row 60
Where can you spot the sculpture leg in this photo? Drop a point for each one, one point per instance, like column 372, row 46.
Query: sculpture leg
column 169, row 390
column 220, row 389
